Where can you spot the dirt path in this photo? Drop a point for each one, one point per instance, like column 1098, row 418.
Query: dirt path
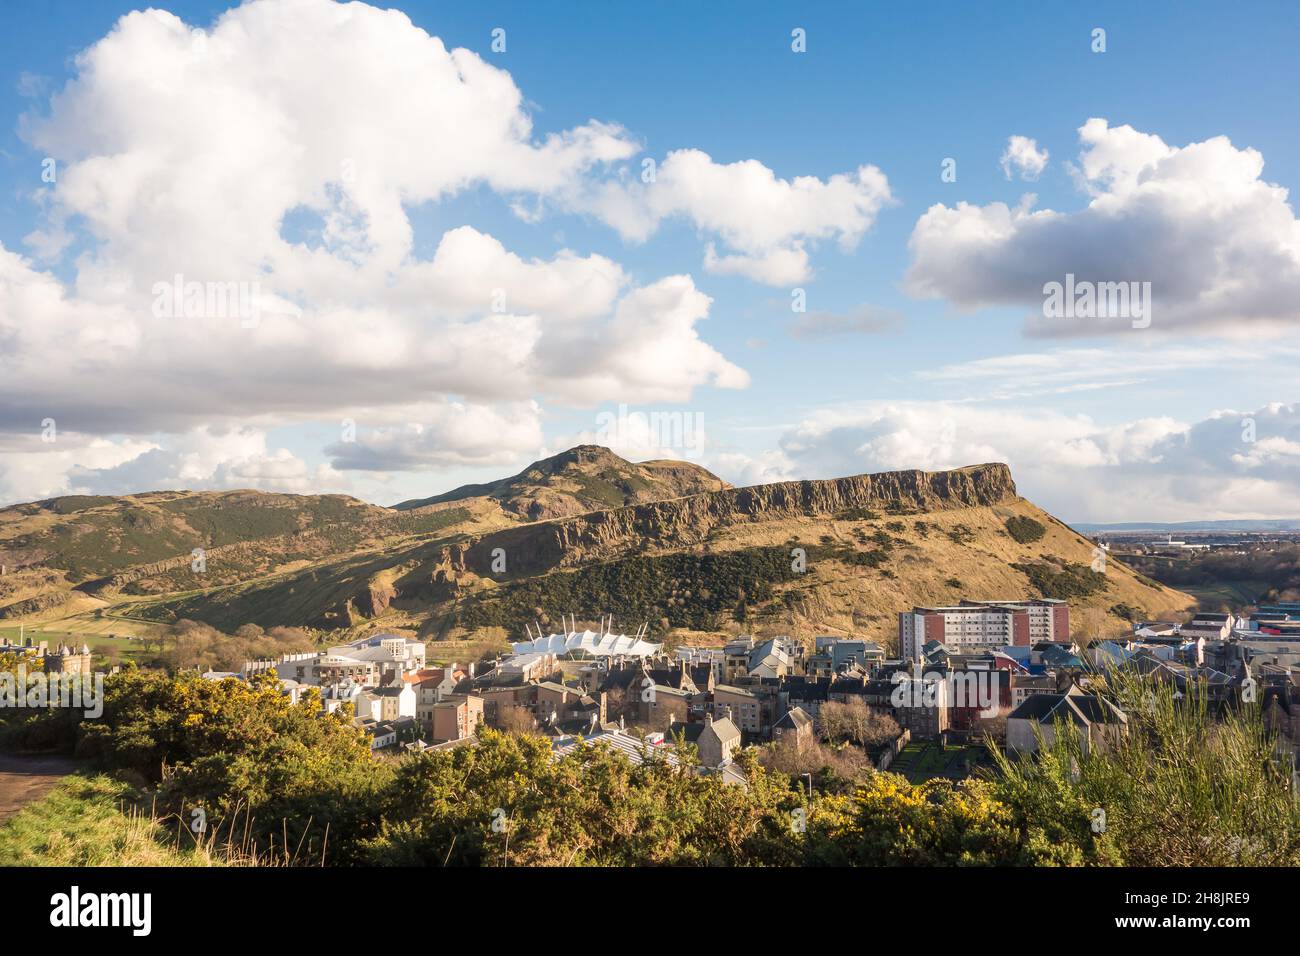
column 24, row 779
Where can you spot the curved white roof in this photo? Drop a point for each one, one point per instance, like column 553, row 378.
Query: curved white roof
column 597, row 645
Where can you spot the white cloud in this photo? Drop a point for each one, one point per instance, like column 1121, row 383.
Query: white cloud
column 767, row 222
column 202, row 458
column 448, row 436
column 1219, row 245
column 202, row 177
column 761, row 469
column 1023, row 157
column 1065, row 370
column 32, row 470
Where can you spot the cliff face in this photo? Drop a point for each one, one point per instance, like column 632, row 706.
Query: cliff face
column 685, row 521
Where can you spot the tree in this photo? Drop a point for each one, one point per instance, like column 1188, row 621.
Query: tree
column 516, row 719
column 858, row 723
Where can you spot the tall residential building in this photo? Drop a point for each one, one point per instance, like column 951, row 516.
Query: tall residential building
column 983, row 624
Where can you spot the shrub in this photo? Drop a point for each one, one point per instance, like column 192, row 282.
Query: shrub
column 1025, row 530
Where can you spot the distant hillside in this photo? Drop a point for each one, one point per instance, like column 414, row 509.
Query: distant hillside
column 720, row 562
column 83, row 553
column 90, row 535
column 585, row 478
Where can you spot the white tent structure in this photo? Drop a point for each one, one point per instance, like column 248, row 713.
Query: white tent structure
column 604, row 643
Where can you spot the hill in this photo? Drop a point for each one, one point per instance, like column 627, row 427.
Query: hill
column 82, row 554
column 838, row 556
column 584, row 478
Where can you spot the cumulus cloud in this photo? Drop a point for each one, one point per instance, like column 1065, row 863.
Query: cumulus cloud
column 766, row 223
column 205, row 181
column 1023, row 157
column 763, row 468
column 200, row 459
column 32, row 470
column 1229, row 465
column 1219, row 245
column 452, row 435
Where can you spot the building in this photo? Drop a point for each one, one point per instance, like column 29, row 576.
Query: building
column 68, row 660
column 590, row 644
column 635, row 749
column 1025, row 686
column 751, row 712
column 1094, row 718
column 716, row 741
column 922, row 705
column 775, row 658
column 371, row 661
column 455, row 717
column 983, row 624
column 1211, row 627
column 795, row 728
column 833, row 654
column 661, row 705
column 534, row 665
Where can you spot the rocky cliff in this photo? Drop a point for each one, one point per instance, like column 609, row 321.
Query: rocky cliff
column 688, row 521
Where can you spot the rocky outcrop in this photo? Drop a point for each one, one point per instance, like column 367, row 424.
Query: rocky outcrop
column 583, row 479
column 565, row 542
column 374, row 598
column 35, row 605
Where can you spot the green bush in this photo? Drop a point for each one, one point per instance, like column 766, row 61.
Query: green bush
column 1025, row 530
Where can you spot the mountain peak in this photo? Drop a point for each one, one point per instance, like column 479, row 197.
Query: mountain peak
column 581, row 479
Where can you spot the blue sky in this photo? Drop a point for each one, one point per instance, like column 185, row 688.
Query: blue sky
column 1099, row 422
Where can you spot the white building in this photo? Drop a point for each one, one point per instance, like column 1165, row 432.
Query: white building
column 606, row 644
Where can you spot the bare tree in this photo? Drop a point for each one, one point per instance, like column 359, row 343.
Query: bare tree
column 857, row 723
column 515, row 719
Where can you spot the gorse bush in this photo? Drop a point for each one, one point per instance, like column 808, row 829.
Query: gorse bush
column 1024, row 529
column 696, row 591
column 1062, row 580
column 1186, row 785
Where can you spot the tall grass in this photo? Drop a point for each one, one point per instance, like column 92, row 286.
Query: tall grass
column 1191, row 782
column 100, row 821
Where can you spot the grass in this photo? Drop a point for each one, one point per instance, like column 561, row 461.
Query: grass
column 91, row 821
column 98, row 642
column 97, row 820
column 1232, row 593
column 1186, row 782
column 924, row 760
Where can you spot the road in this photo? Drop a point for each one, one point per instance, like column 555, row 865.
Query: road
column 24, row 779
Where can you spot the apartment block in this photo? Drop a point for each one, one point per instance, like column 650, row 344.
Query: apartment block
column 983, row 624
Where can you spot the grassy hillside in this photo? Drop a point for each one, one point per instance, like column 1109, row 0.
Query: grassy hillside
column 719, row 562
column 73, row 563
